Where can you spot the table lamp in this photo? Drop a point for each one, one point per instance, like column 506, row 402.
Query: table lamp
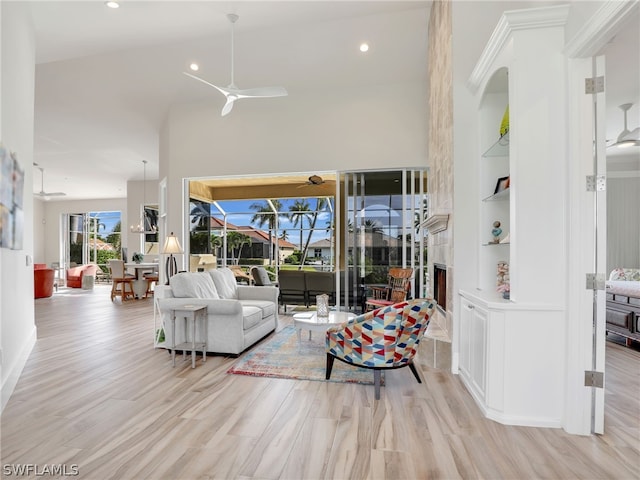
column 171, row 246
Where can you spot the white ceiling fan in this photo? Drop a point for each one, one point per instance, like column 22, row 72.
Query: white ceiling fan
column 42, row 193
column 232, row 92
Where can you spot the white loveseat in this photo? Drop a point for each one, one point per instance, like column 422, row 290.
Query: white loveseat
column 238, row 315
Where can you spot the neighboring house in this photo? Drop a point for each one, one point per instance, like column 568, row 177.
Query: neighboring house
column 259, row 247
column 381, row 248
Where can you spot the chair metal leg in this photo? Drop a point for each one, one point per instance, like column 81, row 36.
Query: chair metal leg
column 415, row 372
column 376, row 382
column 330, row 360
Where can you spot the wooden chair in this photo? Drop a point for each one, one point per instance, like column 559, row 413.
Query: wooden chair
column 122, row 282
column 151, row 278
column 396, row 290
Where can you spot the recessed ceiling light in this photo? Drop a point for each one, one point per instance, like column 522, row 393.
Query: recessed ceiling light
column 112, row 4
column 364, row 47
column 194, row 67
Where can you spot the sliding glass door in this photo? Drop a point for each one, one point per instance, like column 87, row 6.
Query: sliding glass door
column 378, row 229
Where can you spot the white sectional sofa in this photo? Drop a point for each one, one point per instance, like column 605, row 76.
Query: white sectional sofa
column 238, row 315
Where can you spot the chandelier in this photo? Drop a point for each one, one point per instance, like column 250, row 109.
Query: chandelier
column 145, row 226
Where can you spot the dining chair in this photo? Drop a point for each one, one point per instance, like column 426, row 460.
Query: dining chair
column 122, row 282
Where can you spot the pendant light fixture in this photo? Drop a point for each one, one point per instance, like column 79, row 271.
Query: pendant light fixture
column 627, row 138
column 145, row 221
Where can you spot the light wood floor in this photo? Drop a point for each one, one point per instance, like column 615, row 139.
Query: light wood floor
column 95, row 394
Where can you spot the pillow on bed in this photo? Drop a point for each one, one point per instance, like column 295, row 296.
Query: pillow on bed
column 625, row 274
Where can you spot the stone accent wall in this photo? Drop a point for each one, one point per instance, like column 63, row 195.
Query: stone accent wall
column 440, row 178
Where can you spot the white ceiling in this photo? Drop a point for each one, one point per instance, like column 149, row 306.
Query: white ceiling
column 105, row 78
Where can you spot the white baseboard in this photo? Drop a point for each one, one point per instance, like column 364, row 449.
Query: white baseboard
column 11, row 380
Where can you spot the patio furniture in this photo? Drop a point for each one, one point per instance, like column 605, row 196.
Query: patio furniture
column 395, row 291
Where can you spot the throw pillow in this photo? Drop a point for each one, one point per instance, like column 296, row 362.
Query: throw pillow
column 225, row 282
column 193, row 285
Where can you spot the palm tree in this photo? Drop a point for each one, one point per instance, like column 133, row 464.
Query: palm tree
column 298, row 213
column 115, row 237
column 266, row 216
column 235, row 242
column 373, row 226
column 216, row 243
column 322, row 203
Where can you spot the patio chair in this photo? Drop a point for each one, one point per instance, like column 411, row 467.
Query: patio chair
column 397, row 289
column 261, row 277
column 384, row 339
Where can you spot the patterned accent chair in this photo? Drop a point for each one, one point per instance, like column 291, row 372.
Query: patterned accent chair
column 383, row 339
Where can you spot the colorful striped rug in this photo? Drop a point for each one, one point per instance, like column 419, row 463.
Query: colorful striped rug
column 282, row 356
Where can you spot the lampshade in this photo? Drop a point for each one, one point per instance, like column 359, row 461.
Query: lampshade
column 171, row 245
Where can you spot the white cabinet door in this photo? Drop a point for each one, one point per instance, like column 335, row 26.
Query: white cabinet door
column 466, row 317
column 478, row 350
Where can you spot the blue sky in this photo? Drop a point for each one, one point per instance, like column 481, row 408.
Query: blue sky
column 108, row 219
column 239, row 212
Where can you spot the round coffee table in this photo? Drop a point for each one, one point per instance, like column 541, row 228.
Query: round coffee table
column 310, row 321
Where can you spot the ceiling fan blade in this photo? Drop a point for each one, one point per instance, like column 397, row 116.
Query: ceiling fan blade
column 229, row 105
column 261, row 92
column 220, row 89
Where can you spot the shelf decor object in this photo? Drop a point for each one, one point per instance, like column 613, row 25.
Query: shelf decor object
column 171, row 247
column 502, row 184
column 504, row 125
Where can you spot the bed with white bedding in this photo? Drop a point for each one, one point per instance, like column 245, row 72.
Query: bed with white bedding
column 623, row 303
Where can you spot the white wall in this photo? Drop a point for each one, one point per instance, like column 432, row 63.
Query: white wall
column 135, row 200
column 623, row 222
column 17, row 326
column 48, row 241
column 374, row 127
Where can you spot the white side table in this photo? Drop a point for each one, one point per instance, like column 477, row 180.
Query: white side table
column 191, row 314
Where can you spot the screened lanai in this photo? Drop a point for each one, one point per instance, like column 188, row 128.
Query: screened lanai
column 355, row 224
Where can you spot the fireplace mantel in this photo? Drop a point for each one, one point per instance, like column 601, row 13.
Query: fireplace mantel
column 436, row 223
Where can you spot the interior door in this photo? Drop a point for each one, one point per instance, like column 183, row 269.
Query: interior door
column 600, row 244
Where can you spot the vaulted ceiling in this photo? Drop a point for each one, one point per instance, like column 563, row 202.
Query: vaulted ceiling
column 105, row 78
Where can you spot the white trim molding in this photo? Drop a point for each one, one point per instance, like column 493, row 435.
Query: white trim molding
column 436, row 223
column 599, row 29
column 511, row 21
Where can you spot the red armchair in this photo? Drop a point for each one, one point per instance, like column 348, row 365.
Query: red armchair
column 42, row 280
column 75, row 274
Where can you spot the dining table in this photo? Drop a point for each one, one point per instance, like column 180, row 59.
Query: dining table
column 140, row 283
column 142, row 267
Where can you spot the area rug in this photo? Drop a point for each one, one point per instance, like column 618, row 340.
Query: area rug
column 282, row 356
